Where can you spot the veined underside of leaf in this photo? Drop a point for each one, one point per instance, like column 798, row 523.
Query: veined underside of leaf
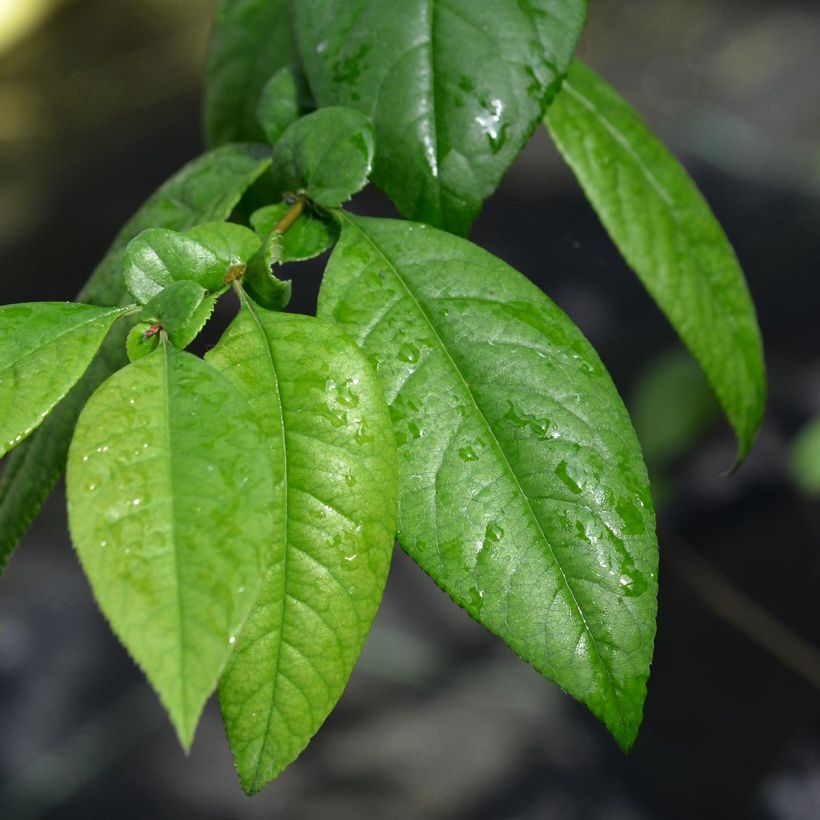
column 331, row 443
column 207, row 189
column 522, row 490
column 668, row 235
column 455, row 88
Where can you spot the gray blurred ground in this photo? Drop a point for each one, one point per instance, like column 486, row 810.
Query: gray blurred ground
column 100, row 104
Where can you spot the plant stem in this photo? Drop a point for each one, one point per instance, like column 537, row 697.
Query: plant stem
column 292, row 215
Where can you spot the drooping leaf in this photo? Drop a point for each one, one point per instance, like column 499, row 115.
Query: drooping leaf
column 332, row 447
column 260, row 282
column 804, row 459
column 455, row 88
column 251, row 41
column 327, row 155
column 171, row 509
column 45, row 347
column 285, row 98
column 206, row 189
column 307, row 238
column 522, row 490
column 158, row 257
column 175, row 306
column 669, row 236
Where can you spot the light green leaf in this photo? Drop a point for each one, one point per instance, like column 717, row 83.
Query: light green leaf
column 327, row 155
column 307, row 238
column 175, row 306
column 251, row 41
column 334, row 457
column 233, row 243
column 142, row 339
column 454, row 88
column 45, row 347
column 284, row 99
column 260, row 282
column 522, row 490
column 158, row 257
column 206, row 189
column 171, row 509
column 804, row 459
column 669, row 236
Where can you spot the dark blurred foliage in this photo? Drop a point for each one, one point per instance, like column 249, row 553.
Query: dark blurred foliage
column 101, row 102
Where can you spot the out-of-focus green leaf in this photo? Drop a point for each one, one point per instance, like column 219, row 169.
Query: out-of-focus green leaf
column 251, row 41
column 522, row 490
column 171, row 509
column 805, row 458
column 205, row 190
column 669, row 236
column 331, row 443
column 45, row 347
column 455, row 88
column 326, row 155
column 284, row 99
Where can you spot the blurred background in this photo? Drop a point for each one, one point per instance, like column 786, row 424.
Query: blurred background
column 100, row 102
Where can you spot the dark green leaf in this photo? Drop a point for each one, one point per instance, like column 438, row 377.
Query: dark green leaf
column 326, row 155
column 251, row 41
column 331, row 444
column 206, row 189
column 46, row 347
column 454, row 88
column 264, row 286
column 171, row 508
column 284, row 99
column 307, row 238
column 668, row 235
column 522, row 490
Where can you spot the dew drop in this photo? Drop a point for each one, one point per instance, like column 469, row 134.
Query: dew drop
column 408, row 353
column 232, row 639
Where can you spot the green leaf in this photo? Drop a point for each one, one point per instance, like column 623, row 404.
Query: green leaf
column 158, row 257
column 260, row 282
column 251, row 41
column 669, row 236
column 233, row 243
column 522, row 490
column 175, row 306
column 284, row 99
column 206, row 189
column 327, row 155
column 455, row 88
column 46, row 348
column 142, row 339
column 171, row 509
column 334, row 457
column 804, row 459
column 307, row 238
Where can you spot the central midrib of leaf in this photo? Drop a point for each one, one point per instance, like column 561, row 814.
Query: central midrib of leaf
column 285, row 541
column 508, row 467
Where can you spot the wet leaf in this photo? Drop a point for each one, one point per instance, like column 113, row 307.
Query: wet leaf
column 307, row 238
column 331, row 444
column 669, row 236
column 455, row 88
column 522, row 490
column 251, row 41
column 327, row 155
column 45, row 347
column 204, row 190
column 284, row 99
column 171, row 509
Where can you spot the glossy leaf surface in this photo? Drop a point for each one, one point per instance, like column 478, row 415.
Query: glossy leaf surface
column 45, row 347
column 251, row 41
column 331, row 444
column 204, row 190
column 175, row 306
column 233, row 243
column 327, row 155
column 285, row 98
column 454, row 88
column 307, row 238
column 522, row 488
column 669, row 236
column 171, row 509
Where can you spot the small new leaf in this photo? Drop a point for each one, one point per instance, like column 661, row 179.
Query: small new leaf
column 331, row 444
column 45, row 349
column 175, row 306
column 522, row 488
column 326, row 155
column 171, row 509
column 667, row 233
column 142, row 339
